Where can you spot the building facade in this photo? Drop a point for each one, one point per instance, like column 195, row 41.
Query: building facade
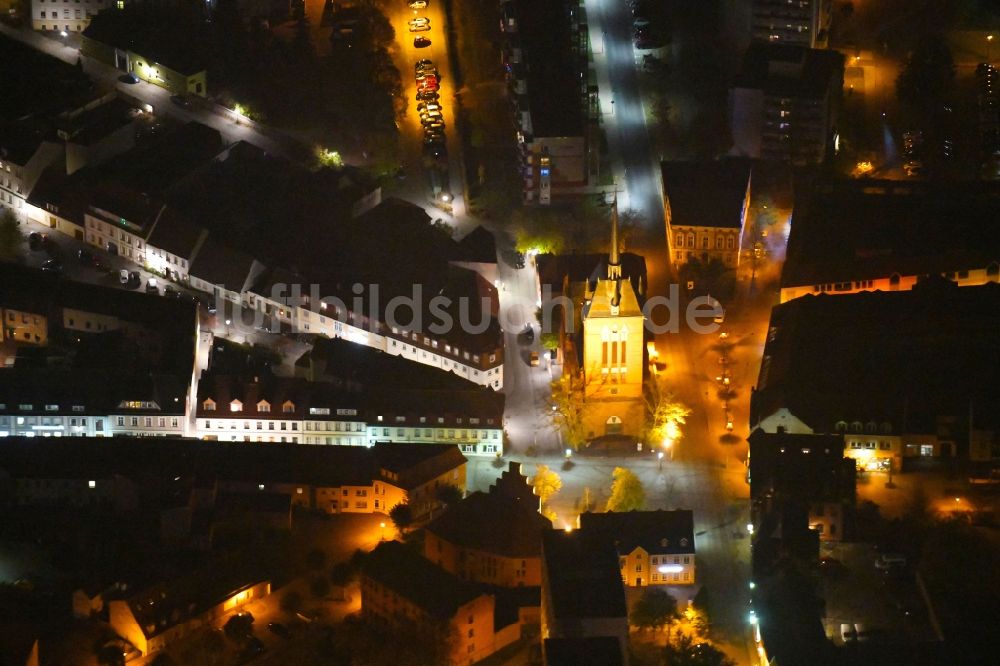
column 67, row 15
column 654, row 547
column 803, row 22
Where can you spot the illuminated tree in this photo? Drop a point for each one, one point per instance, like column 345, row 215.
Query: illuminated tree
column 665, row 414
column 682, row 650
column 402, row 516
column 627, row 493
column 546, row 482
column 567, row 415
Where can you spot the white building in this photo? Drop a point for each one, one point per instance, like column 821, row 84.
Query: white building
column 67, row 15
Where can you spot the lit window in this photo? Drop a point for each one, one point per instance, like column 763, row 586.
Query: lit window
column 92, row 484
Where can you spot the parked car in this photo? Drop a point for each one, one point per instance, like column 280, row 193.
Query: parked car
column 417, row 4
column 887, row 561
column 419, row 24
column 170, row 292
column 423, row 62
column 129, row 78
column 533, row 359
column 421, row 42
column 52, row 266
column 429, row 96
column 831, row 566
column 181, row 101
column 86, row 258
column 152, row 287
column 279, row 629
column 35, row 241
column 123, row 276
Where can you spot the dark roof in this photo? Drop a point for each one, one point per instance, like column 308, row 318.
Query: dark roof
column 414, row 464
column 896, row 357
column 20, row 141
column 800, row 467
column 220, row 264
column 176, row 234
column 582, row 574
column 553, row 66
column 657, row 532
column 512, row 530
column 583, row 651
column 271, row 463
column 408, row 574
column 92, row 125
column 303, row 395
column 97, row 390
column 162, row 34
column 477, row 246
column 37, row 84
column 789, row 70
column 706, row 194
column 169, row 603
column 454, row 408
column 865, row 229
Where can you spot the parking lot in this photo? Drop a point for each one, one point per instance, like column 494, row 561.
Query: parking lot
column 885, row 605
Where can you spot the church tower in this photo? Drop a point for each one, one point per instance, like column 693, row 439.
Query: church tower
column 612, row 349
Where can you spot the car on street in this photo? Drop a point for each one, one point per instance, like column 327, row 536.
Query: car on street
column 181, row 101
column 123, row 276
column 419, row 24
column 427, row 77
column 129, row 78
column 170, row 292
column 424, row 70
column 434, row 125
column 85, row 257
column 428, row 106
column 888, row 561
column 429, row 96
column 831, row 566
column 35, row 241
column 279, row 629
column 421, row 42
column 423, row 62
column 152, row 287
column 52, row 266
column 417, row 4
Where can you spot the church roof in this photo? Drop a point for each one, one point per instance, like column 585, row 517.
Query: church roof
column 608, row 291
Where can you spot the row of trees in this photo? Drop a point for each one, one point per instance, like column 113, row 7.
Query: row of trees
column 627, row 491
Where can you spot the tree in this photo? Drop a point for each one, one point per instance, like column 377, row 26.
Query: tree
column 546, row 483
column 665, row 414
column 238, row 627
column 627, row 493
column 567, row 399
column 928, row 75
column 549, row 340
column 401, row 516
column 448, row 494
column 11, row 238
column 316, row 559
column 319, row 587
column 683, row 651
column 291, row 601
column 653, row 609
column 710, row 276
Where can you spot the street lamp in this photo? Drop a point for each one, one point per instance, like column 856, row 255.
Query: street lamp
column 382, row 527
column 668, row 444
column 659, row 459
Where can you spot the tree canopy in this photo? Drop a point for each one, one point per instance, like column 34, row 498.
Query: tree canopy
column 654, row 609
column 11, row 238
column 665, row 414
column 567, row 399
column 546, row 483
column 401, row 516
column 627, row 493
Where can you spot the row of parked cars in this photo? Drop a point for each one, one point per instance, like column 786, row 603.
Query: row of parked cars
column 429, row 107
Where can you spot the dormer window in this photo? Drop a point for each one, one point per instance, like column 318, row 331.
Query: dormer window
column 264, row 407
column 208, row 405
column 287, row 407
column 236, row 406
column 664, row 543
column 684, row 543
column 841, row 426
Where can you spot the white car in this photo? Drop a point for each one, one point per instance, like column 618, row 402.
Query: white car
column 417, row 4
column 420, row 24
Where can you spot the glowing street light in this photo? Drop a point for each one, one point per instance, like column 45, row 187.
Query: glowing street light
column 659, row 458
column 382, row 527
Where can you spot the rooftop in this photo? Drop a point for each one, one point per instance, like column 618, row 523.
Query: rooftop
column 589, row 651
column 36, row 84
column 582, row 575
column 164, row 35
column 789, row 70
column 804, row 467
column 882, row 357
column 575, row 268
column 657, row 532
column 553, row 67
column 706, row 194
column 407, row 573
column 867, row 229
column 413, row 465
column 512, row 530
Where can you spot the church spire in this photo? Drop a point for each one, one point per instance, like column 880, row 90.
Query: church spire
column 614, row 262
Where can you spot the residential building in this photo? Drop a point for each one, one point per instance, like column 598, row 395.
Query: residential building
column 705, row 204
column 905, row 384
column 546, row 64
column 24, row 327
column 157, row 616
column 784, row 103
column 413, row 474
column 64, row 16
column 880, row 235
column 401, row 588
column 804, row 22
column 156, row 44
column 613, row 351
column 582, row 592
column 654, row 547
column 505, row 549
column 807, row 471
column 297, row 411
column 98, row 131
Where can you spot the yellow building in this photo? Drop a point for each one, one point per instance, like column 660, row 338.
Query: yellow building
column 654, row 547
column 24, row 327
column 613, row 351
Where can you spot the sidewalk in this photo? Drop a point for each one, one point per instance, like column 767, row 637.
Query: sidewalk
column 605, row 93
